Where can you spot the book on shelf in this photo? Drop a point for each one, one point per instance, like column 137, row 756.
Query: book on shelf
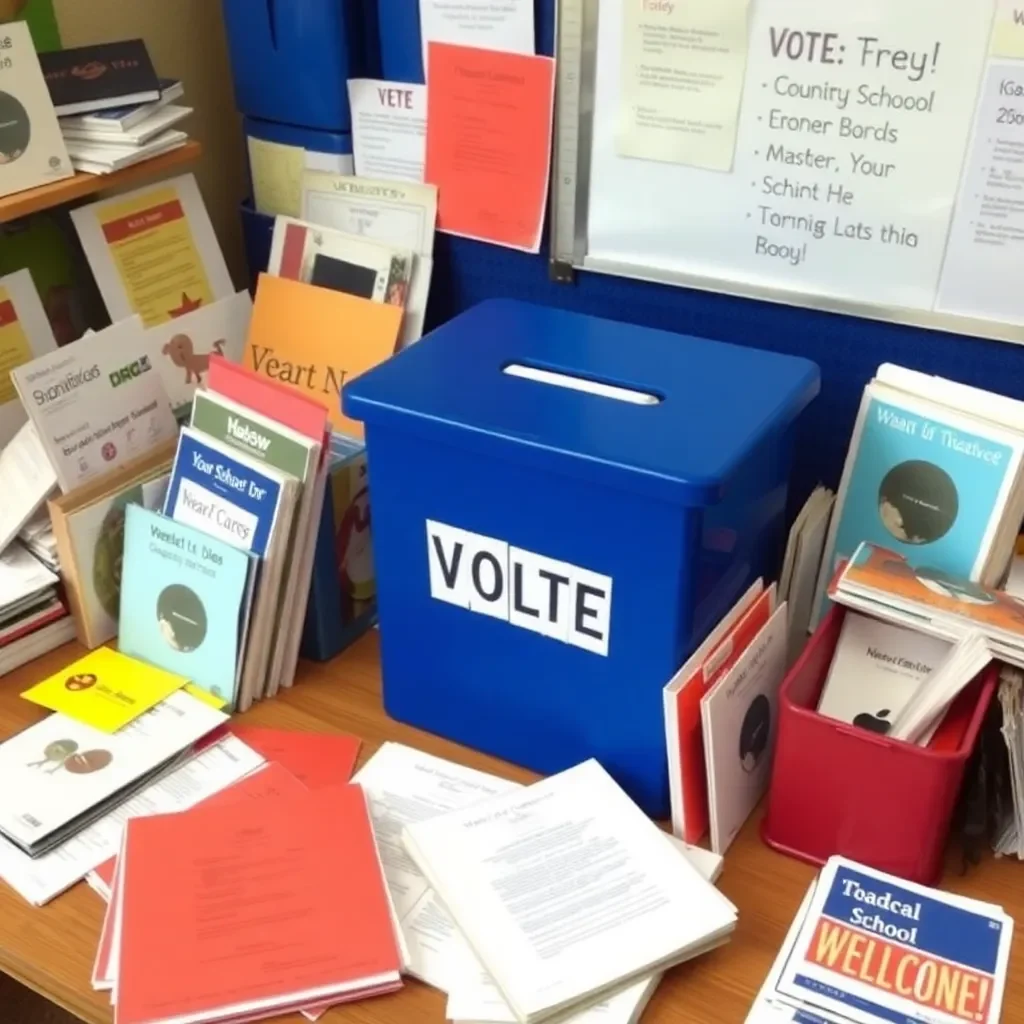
column 186, row 599
column 249, row 505
column 32, row 150
column 96, row 158
column 61, row 774
column 933, row 473
column 290, row 452
column 82, row 79
column 883, row 584
column 798, row 580
column 123, row 119
column 25, row 334
column 143, row 132
column 96, row 404
column 88, row 525
column 605, row 941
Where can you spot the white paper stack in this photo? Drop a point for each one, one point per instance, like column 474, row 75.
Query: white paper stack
column 1010, row 840
column 110, row 140
column 568, row 897
column 869, row 947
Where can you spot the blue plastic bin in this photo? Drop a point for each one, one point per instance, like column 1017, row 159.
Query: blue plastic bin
column 547, row 557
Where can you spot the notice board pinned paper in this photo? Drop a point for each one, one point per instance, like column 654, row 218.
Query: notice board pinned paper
column 489, row 142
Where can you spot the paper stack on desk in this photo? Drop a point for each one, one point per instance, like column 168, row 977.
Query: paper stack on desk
column 869, row 947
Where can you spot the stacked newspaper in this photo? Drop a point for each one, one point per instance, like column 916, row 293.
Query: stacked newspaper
column 1010, row 840
column 869, row 947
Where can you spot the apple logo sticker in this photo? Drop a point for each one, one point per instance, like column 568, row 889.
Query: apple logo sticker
column 874, row 723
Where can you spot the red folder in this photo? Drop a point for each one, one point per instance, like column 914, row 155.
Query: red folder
column 316, row 759
column 251, row 908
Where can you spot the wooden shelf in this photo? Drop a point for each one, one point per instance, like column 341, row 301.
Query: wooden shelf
column 67, row 190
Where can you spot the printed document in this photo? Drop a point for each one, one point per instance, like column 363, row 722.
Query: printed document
column 26, row 480
column 682, row 80
column 488, row 24
column 389, row 128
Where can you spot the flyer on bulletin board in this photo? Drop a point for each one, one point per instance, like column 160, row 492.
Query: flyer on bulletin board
column 153, row 252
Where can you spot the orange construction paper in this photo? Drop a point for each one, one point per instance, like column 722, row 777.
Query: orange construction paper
column 489, row 142
column 315, row 340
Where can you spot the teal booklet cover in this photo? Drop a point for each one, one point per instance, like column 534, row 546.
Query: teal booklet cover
column 185, row 599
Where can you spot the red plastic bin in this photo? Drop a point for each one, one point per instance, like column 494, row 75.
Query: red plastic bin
column 839, row 789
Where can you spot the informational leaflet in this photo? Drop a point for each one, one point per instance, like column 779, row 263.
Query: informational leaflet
column 489, row 123
column 852, row 130
column 277, row 170
column 490, row 24
column 402, row 214
column 682, row 80
column 25, row 333
column 40, row 879
column 153, row 251
column 986, row 239
column 96, row 404
column 389, row 128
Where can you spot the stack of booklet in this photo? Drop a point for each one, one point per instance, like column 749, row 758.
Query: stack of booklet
column 33, row 618
column 119, row 116
column 935, row 473
column 214, row 585
column 867, row 946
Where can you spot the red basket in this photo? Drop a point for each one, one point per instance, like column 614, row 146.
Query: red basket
column 839, row 789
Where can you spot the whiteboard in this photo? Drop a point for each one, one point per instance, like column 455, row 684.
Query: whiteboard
column 863, row 157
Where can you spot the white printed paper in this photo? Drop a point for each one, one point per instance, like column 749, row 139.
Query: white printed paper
column 26, row 480
column 40, row 879
column 488, row 24
column 852, row 129
column 96, row 403
column 389, row 129
column 682, row 79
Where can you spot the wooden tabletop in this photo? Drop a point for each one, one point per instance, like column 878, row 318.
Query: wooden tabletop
column 80, row 184
column 51, row 949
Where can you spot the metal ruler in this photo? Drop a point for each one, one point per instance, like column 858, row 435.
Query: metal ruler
column 575, row 47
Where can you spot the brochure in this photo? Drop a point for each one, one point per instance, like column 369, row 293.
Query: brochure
column 96, row 403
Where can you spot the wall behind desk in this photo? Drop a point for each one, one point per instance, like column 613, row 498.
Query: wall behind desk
column 847, row 349
column 186, row 40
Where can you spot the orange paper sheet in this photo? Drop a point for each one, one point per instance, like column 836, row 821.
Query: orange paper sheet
column 316, row 759
column 489, row 142
column 314, row 340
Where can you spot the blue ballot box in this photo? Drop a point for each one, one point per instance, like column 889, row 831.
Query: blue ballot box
column 562, row 507
column 291, row 59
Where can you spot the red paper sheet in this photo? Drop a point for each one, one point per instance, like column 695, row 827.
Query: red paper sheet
column 316, row 759
column 248, row 908
column 489, row 142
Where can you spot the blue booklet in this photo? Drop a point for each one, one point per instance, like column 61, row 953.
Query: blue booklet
column 185, row 600
column 926, row 482
column 245, row 503
column 222, row 492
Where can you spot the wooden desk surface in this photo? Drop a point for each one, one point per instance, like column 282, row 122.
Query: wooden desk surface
column 51, row 949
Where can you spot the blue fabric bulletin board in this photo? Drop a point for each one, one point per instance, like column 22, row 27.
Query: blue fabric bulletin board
column 847, row 349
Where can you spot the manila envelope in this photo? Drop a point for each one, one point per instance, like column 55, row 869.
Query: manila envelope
column 315, row 340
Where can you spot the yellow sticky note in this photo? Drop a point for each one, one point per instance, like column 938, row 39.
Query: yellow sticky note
column 204, row 695
column 14, row 347
column 276, row 177
column 154, row 251
column 105, row 689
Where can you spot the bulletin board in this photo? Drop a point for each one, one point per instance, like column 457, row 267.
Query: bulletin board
column 863, row 158
column 848, row 349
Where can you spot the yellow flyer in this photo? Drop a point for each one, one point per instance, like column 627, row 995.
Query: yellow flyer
column 105, row 689
column 155, row 255
column 14, row 346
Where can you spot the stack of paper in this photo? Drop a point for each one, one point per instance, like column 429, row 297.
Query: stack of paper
column 867, row 946
column 33, row 619
column 1010, row 839
column 935, row 472
column 108, row 139
column 320, row 934
column 37, row 535
column 567, row 894
column 884, row 585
